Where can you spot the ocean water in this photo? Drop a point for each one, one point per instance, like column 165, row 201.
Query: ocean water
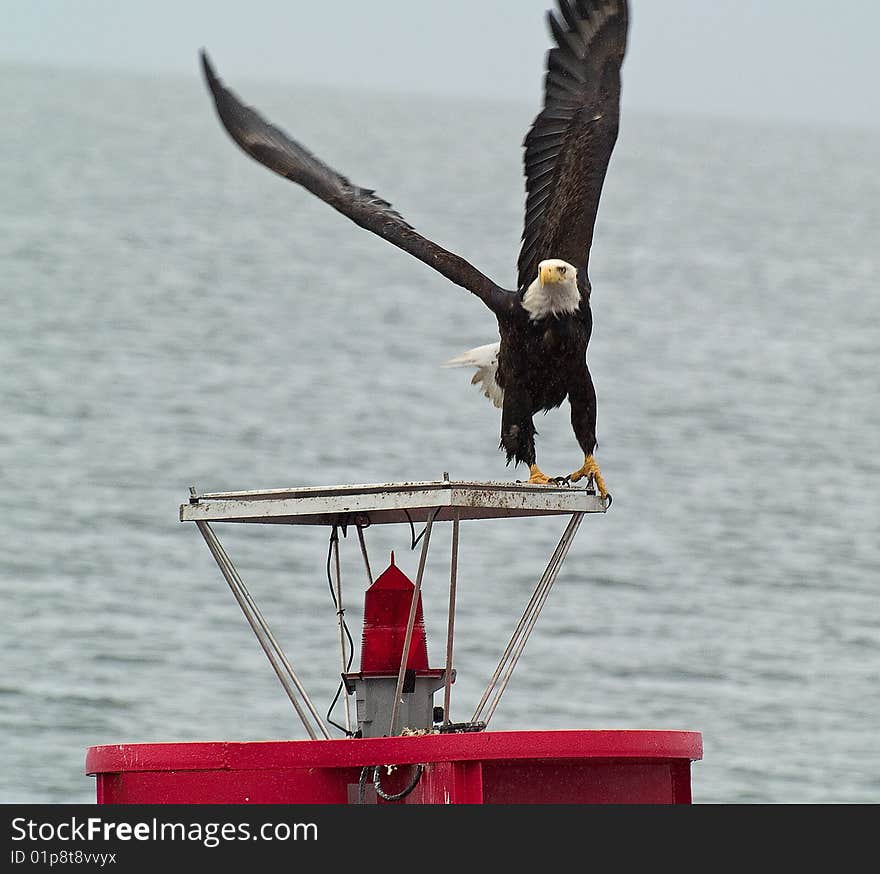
column 174, row 315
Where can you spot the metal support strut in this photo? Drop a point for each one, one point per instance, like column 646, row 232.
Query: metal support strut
column 274, row 653
column 450, row 620
column 524, row 627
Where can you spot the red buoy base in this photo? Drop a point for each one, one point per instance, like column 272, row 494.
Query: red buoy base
column 504, row 767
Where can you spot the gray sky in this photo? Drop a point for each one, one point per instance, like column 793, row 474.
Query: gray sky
column 804, row 60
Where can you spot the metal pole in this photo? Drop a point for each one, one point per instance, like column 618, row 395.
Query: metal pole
column 514, row 646
column 576, row 520
column 231, row 578
column 512, row 641
column 258, row 624
column 340, row 619
column 453, row 578
column 530, row 615
column 395, row 709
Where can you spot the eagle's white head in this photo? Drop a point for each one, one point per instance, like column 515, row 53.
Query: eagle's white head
column 554, row 291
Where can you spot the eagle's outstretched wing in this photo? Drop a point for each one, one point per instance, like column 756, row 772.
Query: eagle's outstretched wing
column 569, row 144
column 276, row 150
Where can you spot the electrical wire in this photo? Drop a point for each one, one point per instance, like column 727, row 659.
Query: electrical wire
column 415, row 540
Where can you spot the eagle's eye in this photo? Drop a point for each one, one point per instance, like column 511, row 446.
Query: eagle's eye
column 562, row 271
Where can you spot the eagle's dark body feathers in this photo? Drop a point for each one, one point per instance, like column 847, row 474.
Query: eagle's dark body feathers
column 531, row 386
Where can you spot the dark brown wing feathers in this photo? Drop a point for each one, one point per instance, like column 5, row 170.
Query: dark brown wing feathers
column 569, row 145
column 567, row 151
column 273, row 148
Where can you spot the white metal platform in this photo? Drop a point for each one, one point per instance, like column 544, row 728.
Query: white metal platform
column 441, row 500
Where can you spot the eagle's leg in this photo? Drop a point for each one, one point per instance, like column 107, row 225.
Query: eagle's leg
column 518, row 434
column 583, row 421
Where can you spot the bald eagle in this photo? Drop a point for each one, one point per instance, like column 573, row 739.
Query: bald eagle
column 545, row 323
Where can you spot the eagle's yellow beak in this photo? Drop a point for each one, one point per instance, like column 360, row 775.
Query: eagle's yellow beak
column 547, row 274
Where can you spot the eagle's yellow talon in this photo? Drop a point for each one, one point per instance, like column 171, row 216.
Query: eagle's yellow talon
column 591, row 469
column 537, row 478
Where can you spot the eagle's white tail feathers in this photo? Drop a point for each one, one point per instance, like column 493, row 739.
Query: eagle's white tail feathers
column 485, row 360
